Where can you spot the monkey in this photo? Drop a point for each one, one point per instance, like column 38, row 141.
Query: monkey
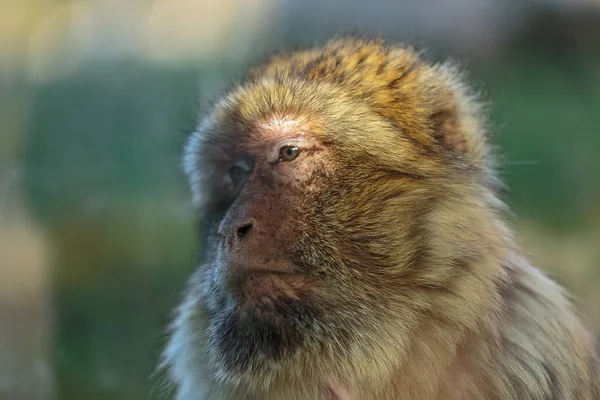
column 357, row 247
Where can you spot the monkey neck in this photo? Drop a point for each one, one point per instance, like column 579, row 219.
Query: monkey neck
column 470, row 260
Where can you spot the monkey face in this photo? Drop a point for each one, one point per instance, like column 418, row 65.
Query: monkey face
column 299, row 228
column 267, row 184
column 299, row 224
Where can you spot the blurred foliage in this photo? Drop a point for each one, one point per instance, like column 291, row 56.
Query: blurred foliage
column 103, row 177
column 545, row 120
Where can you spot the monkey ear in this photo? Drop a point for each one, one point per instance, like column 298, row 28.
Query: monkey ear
column 457, row 118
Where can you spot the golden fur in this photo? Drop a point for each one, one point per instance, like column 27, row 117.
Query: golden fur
column 446, row 307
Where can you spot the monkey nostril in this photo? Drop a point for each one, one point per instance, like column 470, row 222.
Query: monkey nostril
column 243, row 229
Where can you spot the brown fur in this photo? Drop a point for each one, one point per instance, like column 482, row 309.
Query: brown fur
column 419, row 290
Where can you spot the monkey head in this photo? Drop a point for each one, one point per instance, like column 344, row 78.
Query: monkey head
column 325, row 181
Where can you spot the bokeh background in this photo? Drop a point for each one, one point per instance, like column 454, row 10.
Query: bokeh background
column 96, row 97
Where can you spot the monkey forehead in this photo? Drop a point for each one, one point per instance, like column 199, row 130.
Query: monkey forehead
column 282, row 126
column 280, row 123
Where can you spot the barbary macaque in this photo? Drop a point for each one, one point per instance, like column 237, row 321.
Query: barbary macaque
column 357, row 248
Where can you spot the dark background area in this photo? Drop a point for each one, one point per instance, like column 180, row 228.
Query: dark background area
column 97, row 234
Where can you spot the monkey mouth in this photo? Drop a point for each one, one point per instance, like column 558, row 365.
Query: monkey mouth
column 264, row 287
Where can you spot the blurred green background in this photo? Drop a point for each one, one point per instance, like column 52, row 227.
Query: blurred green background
column 96, row 98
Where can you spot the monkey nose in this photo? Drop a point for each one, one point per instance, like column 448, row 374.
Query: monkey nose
column 243, row 230
column 236, row 233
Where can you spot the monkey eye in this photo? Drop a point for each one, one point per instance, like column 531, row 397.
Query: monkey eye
column 288, row 153
column 238, row 173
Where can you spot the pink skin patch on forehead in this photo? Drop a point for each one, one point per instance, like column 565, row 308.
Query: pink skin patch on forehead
column 278, row 126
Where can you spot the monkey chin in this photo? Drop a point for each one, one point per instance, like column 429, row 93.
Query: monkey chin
column 269, row 320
